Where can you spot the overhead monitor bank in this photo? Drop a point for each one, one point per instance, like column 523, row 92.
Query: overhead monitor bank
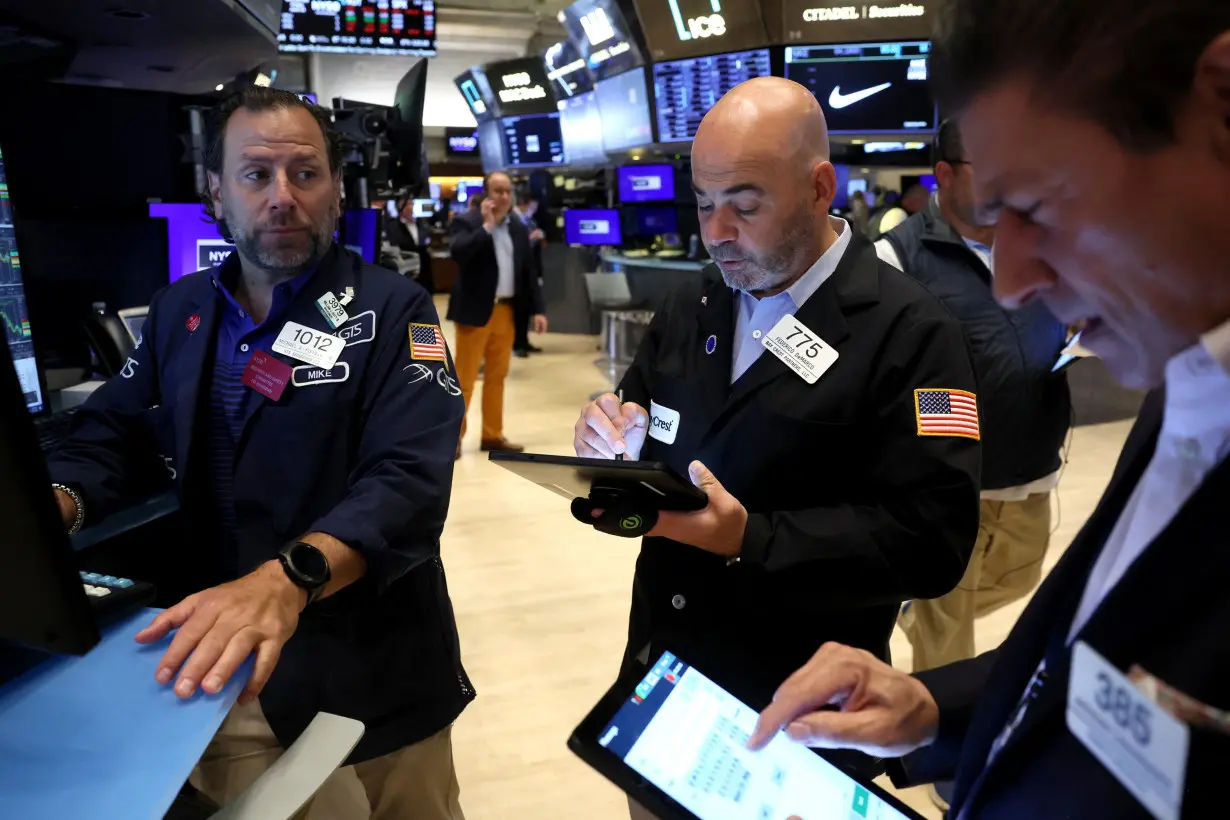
column 566, row 70
column 602, row 36
column 841, row 21
column 520, row 87
column 358, row 26
column 676, row 29
column 685, row 90
column 477, row 93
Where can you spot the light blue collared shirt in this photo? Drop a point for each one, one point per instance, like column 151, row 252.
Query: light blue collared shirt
column 506, row 284
column 756, row 317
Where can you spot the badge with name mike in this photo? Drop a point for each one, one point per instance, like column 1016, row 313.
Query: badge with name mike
column 332, row 310
column 803, row 351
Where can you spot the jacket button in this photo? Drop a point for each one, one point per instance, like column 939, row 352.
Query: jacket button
column 679, row 602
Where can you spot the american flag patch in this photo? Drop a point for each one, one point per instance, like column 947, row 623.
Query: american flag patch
column 946, row 413
column 427, row 343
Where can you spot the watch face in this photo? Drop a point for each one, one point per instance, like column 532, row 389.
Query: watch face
column 309, row 562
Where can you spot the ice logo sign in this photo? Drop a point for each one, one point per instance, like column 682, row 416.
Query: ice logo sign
column 698, row 28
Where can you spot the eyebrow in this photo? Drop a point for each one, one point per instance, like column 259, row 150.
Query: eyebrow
column 733, row 190
column 299, row 155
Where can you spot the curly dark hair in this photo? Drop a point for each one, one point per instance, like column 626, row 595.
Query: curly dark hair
column 257, row 98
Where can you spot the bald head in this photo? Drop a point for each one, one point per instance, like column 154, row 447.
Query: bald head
column 763, row 183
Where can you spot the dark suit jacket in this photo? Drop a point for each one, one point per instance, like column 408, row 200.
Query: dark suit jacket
column 478, row 272
column 1170, row 614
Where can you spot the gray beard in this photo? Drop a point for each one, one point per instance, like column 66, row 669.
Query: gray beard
column 770, row 271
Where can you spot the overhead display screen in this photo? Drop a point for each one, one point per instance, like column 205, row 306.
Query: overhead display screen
column 685, row 90
column 580, row 122
column 602, row 37
column 840, row 21
column 533, row 140
column 491, row 146
column 359, row 26
column 520, row 87
column 689, row 28
column 566, row 70
column 473, row 86
column 623, row 103
column 461, row 142
column 867, row 88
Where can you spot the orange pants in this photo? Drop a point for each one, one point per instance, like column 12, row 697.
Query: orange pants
column 493, row 343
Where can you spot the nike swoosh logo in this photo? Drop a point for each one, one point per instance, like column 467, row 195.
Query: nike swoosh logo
column 839, row 100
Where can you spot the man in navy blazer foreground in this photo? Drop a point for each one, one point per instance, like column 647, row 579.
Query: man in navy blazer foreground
column 300, row 402
column 1099, row 138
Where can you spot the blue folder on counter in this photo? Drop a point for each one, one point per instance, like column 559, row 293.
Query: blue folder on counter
column 96, row 737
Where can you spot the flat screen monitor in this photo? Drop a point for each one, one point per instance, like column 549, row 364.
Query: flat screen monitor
column 13, row 310
column 566, row 70
column 685, row 90
column 592, row 226
column 477, row 93
column 867, row 88
column 649, row 221
column 841, row 21
column 624, row 105
column 520, row 87
column 359, row 26
column 461, row 142
column 646, row 183
column 491, row 146
column 689, row 28
column 360, row 232
column 533, row 141
column 602, row 37
column 192, row 243
column 134, row 320
column 424, row 208
column 580, row 123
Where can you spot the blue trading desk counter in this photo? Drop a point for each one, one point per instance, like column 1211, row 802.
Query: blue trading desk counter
column 96, row 737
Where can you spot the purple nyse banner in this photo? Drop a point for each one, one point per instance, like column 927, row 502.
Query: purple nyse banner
column 193, row 243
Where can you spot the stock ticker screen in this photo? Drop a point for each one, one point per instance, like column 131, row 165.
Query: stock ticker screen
column 13, row 303
column 359, row 26
column 685, row 90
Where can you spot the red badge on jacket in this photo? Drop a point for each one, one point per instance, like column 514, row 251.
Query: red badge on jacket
column 194, row 321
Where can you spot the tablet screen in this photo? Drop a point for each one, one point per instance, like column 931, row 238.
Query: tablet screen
column 687, row 736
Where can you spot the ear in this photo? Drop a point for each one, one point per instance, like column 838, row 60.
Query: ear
column 214, row 183
column 944, row 173
column 824, row 182
column 1212, row 89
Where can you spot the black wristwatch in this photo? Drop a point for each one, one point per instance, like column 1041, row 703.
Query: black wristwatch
column 306, row 566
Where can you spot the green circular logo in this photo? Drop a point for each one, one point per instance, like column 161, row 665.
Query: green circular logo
column 631, row 522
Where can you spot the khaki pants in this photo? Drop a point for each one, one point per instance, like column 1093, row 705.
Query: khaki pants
column 492, row 342
column 1005, row 565
column 414, row 783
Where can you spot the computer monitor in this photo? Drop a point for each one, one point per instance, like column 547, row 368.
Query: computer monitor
column 580, row 123
column 690, row 28
column 685, row 90
column 192, row 243
column 134, row 320
column 43, row 604
column 592, row 226
column 424, row 208
column 491, row 146
column 867, row 88
column 566, row 70
column 533, row 141
column 460, row 143
column 602, row 37
column 646, row 183
column 653, row 221
column 477, row 93
column 360, row 230
column 13, row 308
column 520, row 87
column 623, row 103
column 359, row 27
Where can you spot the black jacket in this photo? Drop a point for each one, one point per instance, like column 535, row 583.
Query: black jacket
column 362, row 452
column 1168, row 614
column 851, row 510
column 1025, row 409
column 478, row 272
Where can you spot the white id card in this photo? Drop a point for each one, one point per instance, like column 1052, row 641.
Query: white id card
column 1139, row 742
column 307, row 345
column 803, row 351
column 332, row 310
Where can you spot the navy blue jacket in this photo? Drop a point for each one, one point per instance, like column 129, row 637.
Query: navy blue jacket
column 1025, row 408
column 363, row 452
column 478, row 273
column 1168, row 614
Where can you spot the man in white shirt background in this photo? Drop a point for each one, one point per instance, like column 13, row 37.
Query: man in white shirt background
column 1111, row 696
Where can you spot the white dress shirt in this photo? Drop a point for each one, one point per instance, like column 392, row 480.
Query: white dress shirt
column 505, row 256
column 1195, row 438
column 756, row 317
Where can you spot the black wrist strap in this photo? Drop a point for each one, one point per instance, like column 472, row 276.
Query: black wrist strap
column 620, row 516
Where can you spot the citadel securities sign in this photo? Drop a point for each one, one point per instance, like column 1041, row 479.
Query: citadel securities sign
column 840, row 21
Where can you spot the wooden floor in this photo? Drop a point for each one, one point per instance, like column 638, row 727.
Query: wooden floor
column 542, row 604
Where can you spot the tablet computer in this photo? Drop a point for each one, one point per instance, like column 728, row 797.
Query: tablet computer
column 675, row 741
column 650, row 482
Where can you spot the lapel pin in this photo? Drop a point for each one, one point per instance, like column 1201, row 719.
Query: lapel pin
column 704, row 300
column 194, row 321
column 711, row 345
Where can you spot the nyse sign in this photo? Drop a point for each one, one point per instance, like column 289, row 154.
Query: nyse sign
column 817, row 21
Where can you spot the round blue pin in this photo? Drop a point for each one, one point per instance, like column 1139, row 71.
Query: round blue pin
column 711, row 345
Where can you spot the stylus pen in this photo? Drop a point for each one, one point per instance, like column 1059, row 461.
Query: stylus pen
column 620, row 456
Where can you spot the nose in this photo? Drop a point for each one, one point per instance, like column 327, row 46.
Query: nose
column 717, row 228
column 1020, row 275
column 281, row 194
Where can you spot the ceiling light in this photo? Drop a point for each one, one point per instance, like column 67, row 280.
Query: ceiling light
column 219, row 87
